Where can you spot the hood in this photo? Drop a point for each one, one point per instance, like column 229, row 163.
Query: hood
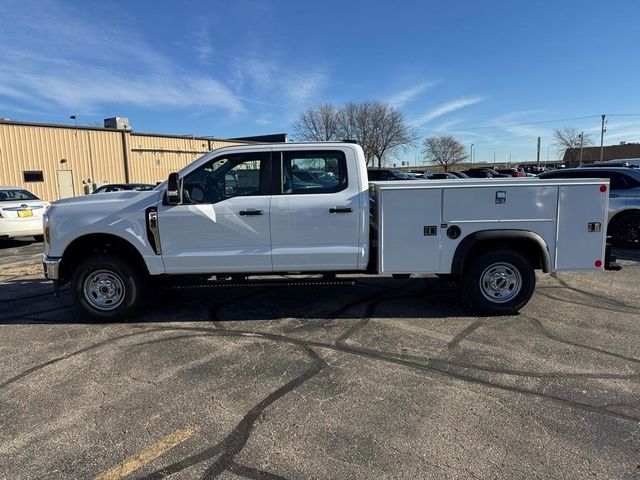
column 108, row 199
column 90, row 208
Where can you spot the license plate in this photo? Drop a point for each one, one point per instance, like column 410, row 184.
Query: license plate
column 25, row 213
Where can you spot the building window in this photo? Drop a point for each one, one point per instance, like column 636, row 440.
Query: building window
column 33, row 176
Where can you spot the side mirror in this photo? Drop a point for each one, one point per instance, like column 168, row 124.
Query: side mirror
column 173, row 190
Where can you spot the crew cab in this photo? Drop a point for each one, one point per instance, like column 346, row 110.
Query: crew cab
column 253, row 211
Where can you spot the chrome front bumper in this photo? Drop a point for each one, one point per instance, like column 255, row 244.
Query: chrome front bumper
column 51, row 267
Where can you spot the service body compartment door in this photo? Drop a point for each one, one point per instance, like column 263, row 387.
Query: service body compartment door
column 581, row 208
column 409, row 230
column 500, row 203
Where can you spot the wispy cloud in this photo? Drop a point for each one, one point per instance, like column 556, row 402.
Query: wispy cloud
column 445, row 108
column 93, row 63
column 202, row 44
column 403, row 97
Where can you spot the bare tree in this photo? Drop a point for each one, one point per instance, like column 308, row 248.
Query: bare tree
column 318, row 124
column 379, row 128
column 390, row 132
column 568, row 140
column 445, row 151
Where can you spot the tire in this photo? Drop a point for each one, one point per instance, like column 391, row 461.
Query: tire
column 625, row 231
column 499, row 281
column 38, row 238
column 107, row 288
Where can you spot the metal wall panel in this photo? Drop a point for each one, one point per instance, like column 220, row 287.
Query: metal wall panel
column 94, row 155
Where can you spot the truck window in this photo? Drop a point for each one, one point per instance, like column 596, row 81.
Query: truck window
column 226, row 177
column 313, row 172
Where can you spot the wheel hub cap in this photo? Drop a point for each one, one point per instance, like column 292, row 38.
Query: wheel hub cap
column 500, row 282
column 104, row 290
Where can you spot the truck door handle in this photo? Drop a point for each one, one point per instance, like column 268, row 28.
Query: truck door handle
column 251, row 212
column 340, row 210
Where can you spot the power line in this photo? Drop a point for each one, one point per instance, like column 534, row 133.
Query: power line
column 522, row 124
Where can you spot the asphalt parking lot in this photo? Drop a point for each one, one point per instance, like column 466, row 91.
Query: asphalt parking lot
column 381, row 378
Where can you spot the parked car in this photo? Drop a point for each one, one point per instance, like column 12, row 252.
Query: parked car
column 20, row 213
column 119, row 187
column 631, row 163
column 624, row 199
column 484, row 172
column 442, row 176
column 460, row 174
column 477, row 173
column 377, row 174
column 512, row 172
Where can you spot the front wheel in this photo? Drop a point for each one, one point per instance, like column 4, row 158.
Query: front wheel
column 106, row 287
column 499, row 281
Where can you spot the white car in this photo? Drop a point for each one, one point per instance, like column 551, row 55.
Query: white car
column 20, row 213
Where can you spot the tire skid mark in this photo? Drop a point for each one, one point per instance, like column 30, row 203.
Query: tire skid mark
column 88, row 348
column 436, row 362
column 254, row 473
column 544, row 331
column 605, row 298
column 438, row 366
column 228, row 448
column 598, row 306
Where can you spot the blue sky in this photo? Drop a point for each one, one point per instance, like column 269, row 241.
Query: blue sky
column 493, row 73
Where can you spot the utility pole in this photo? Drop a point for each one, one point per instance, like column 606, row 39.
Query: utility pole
column 471, row 153
column 581, row 143
column 602, row 130
column 494, row 159
column 538, row 154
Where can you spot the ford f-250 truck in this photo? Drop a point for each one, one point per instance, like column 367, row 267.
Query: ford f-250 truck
column 309, row 208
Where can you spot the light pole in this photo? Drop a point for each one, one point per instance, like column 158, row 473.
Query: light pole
column 581, row 144
column 471, row 153
column 603, row 129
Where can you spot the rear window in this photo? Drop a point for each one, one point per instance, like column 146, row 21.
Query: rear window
column 16, row 195
column 313, row 172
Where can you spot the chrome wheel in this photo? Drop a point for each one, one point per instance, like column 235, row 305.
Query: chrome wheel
column 104, row 290
column 500, row 282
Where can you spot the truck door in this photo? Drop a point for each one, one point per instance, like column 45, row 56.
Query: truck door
column 316, row 212
column 222, row 222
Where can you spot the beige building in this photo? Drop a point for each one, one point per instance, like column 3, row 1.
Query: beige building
column 59, row 161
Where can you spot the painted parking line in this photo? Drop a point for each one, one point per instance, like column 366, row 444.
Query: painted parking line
column 147, row 455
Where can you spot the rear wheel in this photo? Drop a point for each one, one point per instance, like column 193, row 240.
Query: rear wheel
column 625, row 231
column 500, row 281
column 107, row 287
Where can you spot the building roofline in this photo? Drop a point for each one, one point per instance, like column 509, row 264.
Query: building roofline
column 103, row 129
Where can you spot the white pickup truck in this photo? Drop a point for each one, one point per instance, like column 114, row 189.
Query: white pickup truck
column 256, row 210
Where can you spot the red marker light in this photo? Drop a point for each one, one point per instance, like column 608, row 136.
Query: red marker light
column 603, row 188
column 598, row 263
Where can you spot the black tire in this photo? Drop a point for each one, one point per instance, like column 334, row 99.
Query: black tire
column 100, row 276
column 499, row 281
column 625, row 231
column 38, row 238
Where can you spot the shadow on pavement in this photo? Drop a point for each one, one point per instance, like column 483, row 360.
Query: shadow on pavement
column 31, row 301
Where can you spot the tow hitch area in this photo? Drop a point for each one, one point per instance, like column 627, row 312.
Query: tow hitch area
column 610, row 260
